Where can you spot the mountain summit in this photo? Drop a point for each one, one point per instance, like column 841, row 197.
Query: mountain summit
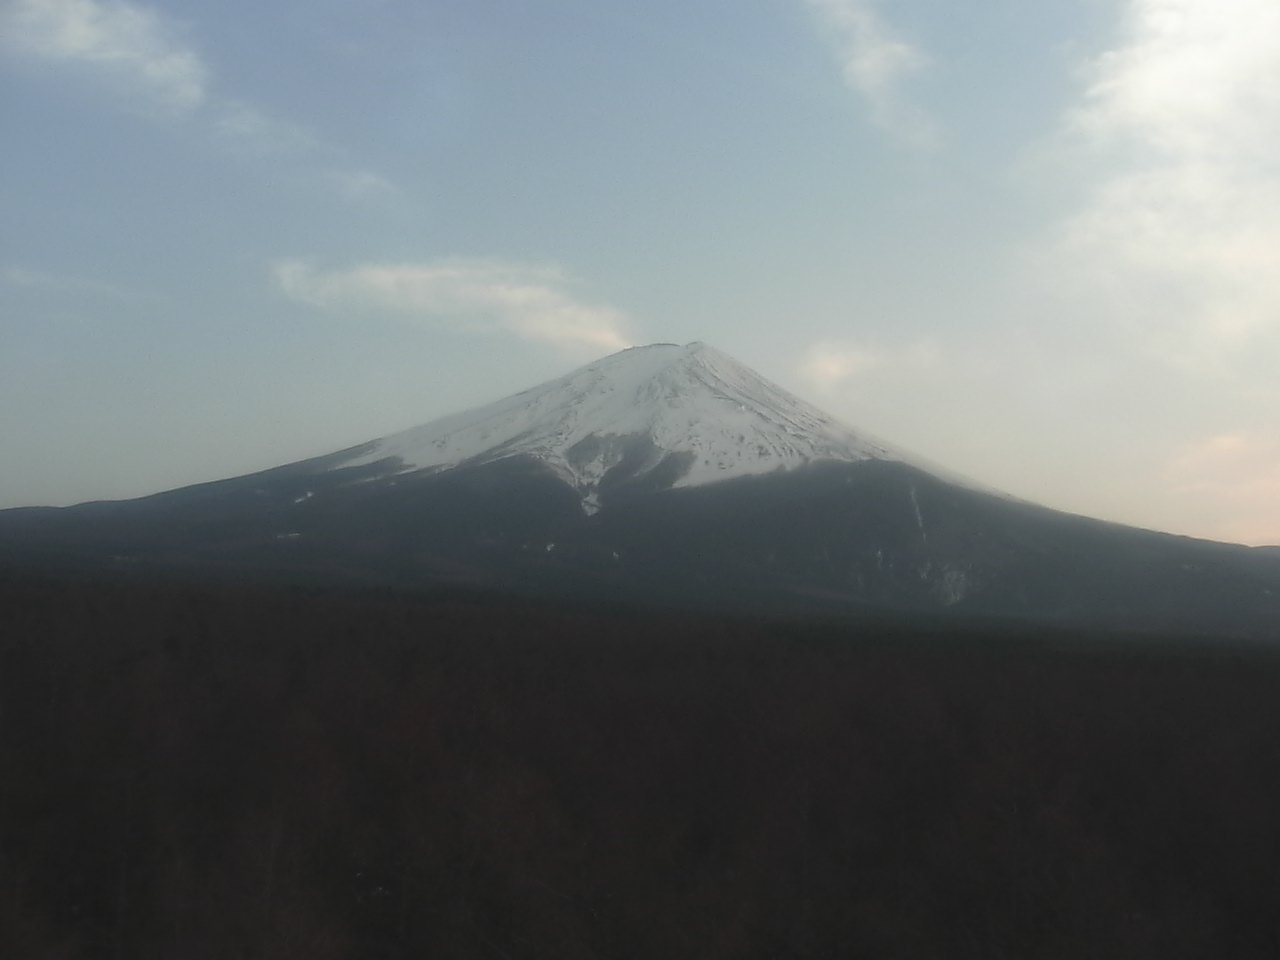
column 663, row 415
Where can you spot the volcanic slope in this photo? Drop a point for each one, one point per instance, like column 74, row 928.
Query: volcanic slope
column 680, row 416
column 663, row 475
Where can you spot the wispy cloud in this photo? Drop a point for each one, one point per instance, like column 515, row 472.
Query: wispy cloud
column 876, row 65
column 141, row 55
column 830, row 364
column 533, row 303
column 356, row 185
column 247, row 130
column 16, row 277
column 1175, row 131
column 826, row 365
column 128, row 45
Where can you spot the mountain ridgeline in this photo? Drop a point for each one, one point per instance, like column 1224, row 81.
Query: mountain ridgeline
column 667, row 475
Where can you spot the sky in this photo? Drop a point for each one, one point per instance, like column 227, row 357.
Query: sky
column 1038, row 243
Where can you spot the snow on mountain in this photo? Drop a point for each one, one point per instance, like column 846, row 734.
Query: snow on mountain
column 690, row 410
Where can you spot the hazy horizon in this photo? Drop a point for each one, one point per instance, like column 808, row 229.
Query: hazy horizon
column 1037, row 246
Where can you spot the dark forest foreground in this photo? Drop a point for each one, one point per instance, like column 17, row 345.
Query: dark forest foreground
column 240, row 772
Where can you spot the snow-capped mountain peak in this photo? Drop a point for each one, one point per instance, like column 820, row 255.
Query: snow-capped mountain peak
column 679, row 415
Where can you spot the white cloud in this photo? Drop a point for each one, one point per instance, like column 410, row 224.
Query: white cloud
column 247, row 130
column 358, row 185
column 826, row 365
column 12, row 276
column 530, row 302
column 16, row 277
column 136, row 51
column 876, row 63
column 831, row 364
column 1176, row 128
column 128, row 45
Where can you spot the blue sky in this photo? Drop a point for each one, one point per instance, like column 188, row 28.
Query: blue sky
column 1037, row 243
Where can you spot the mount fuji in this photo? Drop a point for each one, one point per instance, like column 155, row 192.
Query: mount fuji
column 663, row 474
column 663, row 415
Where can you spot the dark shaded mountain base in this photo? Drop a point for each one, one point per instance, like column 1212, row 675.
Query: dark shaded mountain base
column 832, row 539
column 269, row 773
